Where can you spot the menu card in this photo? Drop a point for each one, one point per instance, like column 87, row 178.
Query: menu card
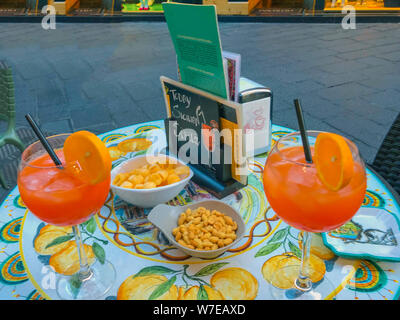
column 195, row 35
column 233, row 64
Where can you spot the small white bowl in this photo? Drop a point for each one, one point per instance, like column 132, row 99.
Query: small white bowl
column 147, row 198
column 166, row 217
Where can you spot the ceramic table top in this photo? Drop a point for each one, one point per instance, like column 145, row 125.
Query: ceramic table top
column 148, row 266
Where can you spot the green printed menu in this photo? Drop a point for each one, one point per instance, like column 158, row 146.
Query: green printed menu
column 195, row 35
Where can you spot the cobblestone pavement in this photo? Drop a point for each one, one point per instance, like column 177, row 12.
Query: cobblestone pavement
column 103, row 76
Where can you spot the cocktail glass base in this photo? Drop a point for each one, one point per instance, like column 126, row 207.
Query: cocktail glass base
column 92, row 286
column 285, row 285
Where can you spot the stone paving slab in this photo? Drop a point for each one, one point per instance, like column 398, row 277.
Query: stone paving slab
column 99, row 76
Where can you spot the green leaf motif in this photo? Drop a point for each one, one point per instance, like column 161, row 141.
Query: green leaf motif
column 83, row 224
column 59, row 240
column 162, row 288
column 295, row 250
column 278, row 236
column 75, row 284
column 210, row 269
column 202, row 293
column 91, row 225
column 99, row 252
column 116, row 163
column 141, row 152
column 153, row 270
column 270, row 247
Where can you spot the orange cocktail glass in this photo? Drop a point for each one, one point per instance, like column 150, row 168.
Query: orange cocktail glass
column 59, row 195
column 55, row 195
column 298, row 196
column 300, row 199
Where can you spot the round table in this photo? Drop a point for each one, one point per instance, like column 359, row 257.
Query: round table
column 136, row 248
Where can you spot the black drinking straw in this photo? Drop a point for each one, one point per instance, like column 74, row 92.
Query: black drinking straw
column 43, row 140
column 303, row 131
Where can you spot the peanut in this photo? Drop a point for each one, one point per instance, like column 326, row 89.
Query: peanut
column 202, row 229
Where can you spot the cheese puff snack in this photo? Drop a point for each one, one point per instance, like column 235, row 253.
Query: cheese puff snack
column 157, row 174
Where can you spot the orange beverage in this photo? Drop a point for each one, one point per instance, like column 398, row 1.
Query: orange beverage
column 56, row 196
column 63, row 180
column 298, row 196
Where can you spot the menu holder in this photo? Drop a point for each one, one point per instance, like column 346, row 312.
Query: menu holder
column 204, row 131
column 220, row 185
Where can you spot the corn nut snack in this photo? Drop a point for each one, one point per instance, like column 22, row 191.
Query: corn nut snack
column 152, row 175
column 202, row 229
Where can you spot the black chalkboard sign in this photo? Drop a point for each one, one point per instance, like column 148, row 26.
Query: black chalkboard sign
column 195, row 120
column 196, row 117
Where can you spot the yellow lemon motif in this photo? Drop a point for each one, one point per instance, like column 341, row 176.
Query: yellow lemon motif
column 49, row 227
column 141, row 288
column 48, row 234
column 317, row 247
column 192, row 293
column 44, row 239
column 285, row 277
column 66, row 261
column 135, row 144
column 235, row 284
column 115, row 153
column 142, row 144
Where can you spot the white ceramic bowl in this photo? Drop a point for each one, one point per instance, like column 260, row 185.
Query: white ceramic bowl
column 165, row 218
column 146, row 198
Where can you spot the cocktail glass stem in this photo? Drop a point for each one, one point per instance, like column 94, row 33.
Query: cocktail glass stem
column 303, row 281
column 84, row 272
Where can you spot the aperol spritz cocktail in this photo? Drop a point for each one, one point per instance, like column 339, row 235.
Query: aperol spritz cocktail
column 298, row 196
column 316, row 196
column 57, row 196
column 68, row 195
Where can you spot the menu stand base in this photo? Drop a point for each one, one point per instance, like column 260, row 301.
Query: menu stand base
column 219, row 189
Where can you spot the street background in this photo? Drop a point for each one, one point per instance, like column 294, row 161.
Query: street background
column 100, row 76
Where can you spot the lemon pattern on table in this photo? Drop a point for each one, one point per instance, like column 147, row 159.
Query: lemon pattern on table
column 57, row 248
column 212, row 282
column 384, row 282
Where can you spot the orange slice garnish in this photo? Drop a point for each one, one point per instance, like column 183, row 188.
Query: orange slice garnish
column 333, row 160
column 90, row 153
